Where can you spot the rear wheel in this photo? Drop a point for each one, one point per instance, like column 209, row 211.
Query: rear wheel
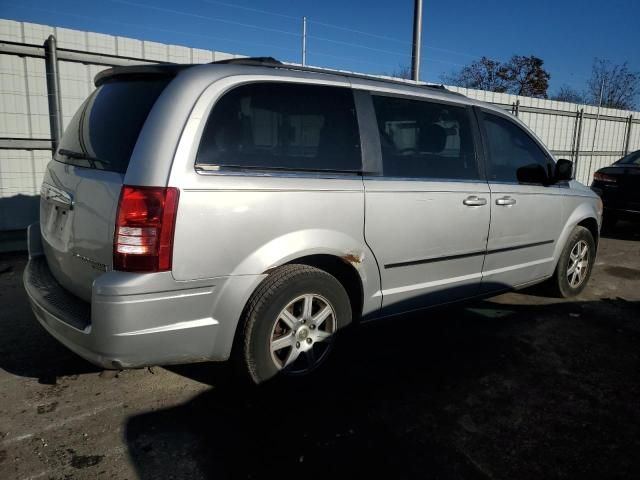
column 575, row 264
column 290, row 322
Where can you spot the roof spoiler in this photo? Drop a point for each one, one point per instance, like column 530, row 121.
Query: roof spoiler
column 138, row 71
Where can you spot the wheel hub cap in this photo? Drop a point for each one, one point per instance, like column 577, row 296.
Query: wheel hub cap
column 302, row 334
column 578, row 264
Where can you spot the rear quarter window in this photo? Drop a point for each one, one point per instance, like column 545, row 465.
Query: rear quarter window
column 283, row 126
column 104, row 130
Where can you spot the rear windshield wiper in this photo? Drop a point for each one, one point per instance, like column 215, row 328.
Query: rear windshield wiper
column 80, row 156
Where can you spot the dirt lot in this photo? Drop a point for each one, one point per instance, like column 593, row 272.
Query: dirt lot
column 518, row 386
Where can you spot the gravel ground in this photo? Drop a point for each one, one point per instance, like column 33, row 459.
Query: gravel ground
column 517, row 386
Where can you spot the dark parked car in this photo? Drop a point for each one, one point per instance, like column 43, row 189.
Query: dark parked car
column 619, row 187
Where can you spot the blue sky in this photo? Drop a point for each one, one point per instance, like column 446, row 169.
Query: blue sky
column 369, row 36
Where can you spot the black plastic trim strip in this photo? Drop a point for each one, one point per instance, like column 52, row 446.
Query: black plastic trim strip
column 465, row 255
column 435, row 259
column 518, row 247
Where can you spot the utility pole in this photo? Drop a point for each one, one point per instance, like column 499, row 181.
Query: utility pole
column 417, row 38
column 304, row 41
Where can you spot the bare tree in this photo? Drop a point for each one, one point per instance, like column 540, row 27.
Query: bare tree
column 620, row 86
column 525, row 76
column 569, row 94
column 520, row 75
column 403, row 71
column 483, row 74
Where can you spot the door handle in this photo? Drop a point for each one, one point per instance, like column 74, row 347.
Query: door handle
column 506, row 201
column 474, row 201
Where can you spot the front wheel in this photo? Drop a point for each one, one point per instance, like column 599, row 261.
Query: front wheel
column 290, row 322
column 575, row 264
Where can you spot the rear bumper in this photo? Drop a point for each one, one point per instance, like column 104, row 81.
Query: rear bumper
column 137, row 320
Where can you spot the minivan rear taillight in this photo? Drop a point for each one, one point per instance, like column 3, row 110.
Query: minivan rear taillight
column 143, row 240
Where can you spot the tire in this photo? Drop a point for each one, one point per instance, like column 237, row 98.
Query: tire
column 307, row 339
column 564, row 283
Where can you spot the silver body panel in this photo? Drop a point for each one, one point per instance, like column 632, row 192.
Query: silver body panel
column 413, row 243
column 422, row 259
column 76, row 235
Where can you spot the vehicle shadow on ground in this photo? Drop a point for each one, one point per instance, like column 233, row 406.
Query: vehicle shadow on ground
column 490, row 390
column 26, row 349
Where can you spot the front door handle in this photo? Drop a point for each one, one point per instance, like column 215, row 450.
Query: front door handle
column 506, row 201
column 474, row 201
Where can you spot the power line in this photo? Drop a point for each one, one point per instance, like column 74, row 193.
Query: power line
column 357, row 45
column 250, row 9
column 159, row 29
column 360, row 32
column 273, row 30
column 390, row 52
column 205, row 17
column 267, row 29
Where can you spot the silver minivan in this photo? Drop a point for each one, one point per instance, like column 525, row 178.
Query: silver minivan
column 251, row 209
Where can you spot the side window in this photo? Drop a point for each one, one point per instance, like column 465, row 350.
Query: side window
column 424, row 139
column 283, row 126
column 510, row 148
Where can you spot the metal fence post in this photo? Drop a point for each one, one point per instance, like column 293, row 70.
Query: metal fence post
column 628, row 135
column 516, row 108
column 53, row 90
column 577, row 145
column 573, row 136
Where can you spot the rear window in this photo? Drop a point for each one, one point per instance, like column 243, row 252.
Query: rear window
column 283, row 126
column 105, row 128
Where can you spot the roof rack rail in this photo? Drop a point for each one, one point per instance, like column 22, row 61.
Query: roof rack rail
column 274, row 63
column 252, row 61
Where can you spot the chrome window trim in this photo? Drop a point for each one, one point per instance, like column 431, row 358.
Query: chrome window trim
column 266, row 172
column 424, row 179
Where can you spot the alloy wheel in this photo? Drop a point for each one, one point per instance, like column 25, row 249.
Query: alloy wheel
column 302, row 334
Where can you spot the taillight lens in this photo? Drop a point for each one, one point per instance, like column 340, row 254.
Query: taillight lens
column 143, row 240
column 603, row 177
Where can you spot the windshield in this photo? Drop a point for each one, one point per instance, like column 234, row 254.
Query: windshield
column 631, row 159
column 105, row 128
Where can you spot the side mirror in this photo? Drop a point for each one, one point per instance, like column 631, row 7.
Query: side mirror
column 564, row 170
column 533, row 173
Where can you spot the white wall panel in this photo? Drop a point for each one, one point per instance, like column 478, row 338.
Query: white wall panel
column 10, row 31
column 75, row 82
column 72, row 39
column 14, row 118
column 129, row 47
column 101, row 43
